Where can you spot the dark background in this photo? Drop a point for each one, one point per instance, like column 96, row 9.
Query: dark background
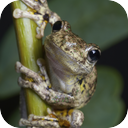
column 110, row 57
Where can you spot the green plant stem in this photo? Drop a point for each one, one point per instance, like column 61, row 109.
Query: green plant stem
column 30, row 49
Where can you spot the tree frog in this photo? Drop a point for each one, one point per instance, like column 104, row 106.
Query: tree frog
column 66, row 81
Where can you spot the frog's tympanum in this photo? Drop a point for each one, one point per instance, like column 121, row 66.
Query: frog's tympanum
column 67, row 81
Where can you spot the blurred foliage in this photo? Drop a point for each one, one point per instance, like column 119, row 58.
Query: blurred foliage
column 101, row 22
column 8, row 75
column 14, row 119
column 106, row 107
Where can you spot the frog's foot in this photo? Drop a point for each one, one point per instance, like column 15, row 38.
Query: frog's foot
column 39, row 12
column 41, row 64
column 29, row 73
column 40, row 21
column 41, row 6
column 68, row 118
column 77, row 119
column 40, row 89
column 40, row 121
column 33, row 81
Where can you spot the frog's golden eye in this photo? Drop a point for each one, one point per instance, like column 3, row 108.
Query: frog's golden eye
column 93, row 55
column 57, row 26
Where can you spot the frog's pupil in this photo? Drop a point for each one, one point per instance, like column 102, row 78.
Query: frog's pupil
column 94, row 55
column 57, row 25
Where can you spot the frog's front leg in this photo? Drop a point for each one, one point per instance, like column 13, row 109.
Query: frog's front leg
column 42, row 89
column 40, row 20
column 40, row 13
column 38, row 5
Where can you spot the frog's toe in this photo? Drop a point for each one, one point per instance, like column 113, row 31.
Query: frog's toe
column 18, row 65
column 77, row 119
column 32, row 4
column 40, row 121
column 24, row 83
column 27, row 84
column 30, row 117
column 40, row 30
column 23, row 122
column 17, row 13
column 32, row 76
column 44, row 2
column 40, row 62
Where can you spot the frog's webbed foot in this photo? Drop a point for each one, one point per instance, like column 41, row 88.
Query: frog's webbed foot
column 40, row 122
column 39, row 12
column 32, row 80
column 55, row 119
column 36, row 17
column 29, row 73
column 41, row 6
column 38, row 5
column 41, row 64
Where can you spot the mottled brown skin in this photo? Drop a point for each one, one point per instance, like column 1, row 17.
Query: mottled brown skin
column 70, row 73
column 73, row 47
column 71, row 79
column 70, row 83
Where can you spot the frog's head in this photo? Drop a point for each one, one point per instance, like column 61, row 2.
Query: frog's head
column 68, row 52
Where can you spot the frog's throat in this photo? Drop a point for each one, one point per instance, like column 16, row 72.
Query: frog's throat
column 64, row 80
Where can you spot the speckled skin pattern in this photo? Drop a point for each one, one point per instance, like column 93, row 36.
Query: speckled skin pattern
column 36, row 11
column 66, row 81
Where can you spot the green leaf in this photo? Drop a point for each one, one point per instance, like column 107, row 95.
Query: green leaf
column 9, row 55
column 106, row 108
column 14, row 118
column 102, row 22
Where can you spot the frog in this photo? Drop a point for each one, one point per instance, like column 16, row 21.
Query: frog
column 67, row 78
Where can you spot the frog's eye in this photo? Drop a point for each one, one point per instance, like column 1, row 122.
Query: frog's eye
column 93, row 55
column 57, row 26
